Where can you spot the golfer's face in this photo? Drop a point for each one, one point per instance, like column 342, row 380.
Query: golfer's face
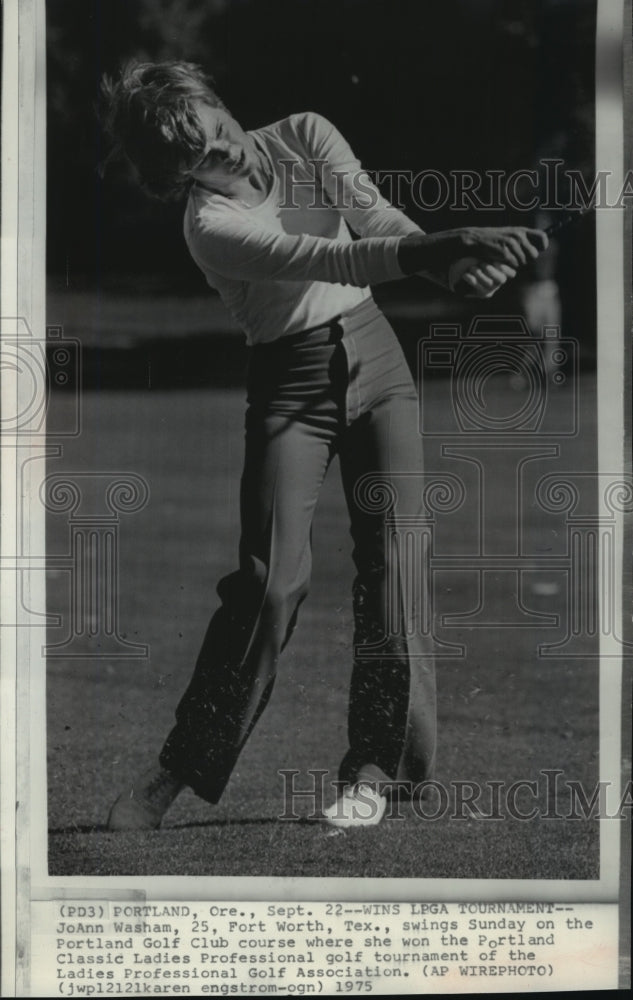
column 230, row 153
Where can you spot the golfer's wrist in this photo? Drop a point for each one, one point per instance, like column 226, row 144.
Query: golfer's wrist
column 423, row 252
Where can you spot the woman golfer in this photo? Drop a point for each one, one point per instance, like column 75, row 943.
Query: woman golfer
column 267, row 220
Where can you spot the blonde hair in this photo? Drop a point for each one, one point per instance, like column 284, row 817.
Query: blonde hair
column 149, row 114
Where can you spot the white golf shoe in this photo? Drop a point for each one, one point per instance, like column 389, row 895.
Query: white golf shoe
column 359, row 805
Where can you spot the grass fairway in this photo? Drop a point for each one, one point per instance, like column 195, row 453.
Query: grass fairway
column 504, row 713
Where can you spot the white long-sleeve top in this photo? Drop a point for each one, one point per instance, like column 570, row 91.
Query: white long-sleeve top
column 290, row 263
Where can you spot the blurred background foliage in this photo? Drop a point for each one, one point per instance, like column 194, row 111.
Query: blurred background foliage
column 413, row 84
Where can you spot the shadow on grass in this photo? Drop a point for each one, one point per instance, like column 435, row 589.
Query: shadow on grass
column 220, row 823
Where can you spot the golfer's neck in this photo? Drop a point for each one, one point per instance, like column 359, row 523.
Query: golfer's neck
column 252, row 189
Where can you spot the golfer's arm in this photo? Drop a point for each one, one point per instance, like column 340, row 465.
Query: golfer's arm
column 248, row 253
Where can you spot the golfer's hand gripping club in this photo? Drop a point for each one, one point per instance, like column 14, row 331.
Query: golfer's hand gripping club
column 471, row 261
column 476, row 278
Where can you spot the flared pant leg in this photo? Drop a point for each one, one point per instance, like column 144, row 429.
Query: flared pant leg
column 285, row 463
column 392, row 706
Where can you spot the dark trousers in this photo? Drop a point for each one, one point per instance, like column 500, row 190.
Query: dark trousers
column 345, row 389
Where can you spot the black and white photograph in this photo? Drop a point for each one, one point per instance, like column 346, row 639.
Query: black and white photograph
column 316, row 422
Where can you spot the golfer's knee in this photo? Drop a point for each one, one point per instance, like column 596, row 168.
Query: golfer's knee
column 281, row 600
column 267, row 591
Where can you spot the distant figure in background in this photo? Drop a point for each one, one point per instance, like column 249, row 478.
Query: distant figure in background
column 267, row 219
